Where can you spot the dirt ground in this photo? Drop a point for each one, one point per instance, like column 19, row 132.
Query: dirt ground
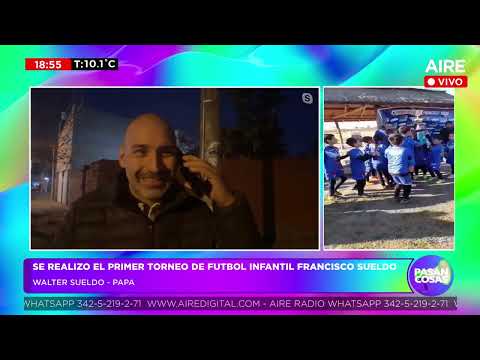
column 47, row 215
column 378, row 222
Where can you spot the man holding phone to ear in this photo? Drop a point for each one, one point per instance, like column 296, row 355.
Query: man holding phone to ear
column 153, row 206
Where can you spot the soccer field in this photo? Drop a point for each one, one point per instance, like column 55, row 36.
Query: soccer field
column 378, row 222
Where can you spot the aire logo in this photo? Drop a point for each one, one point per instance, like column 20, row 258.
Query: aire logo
column 445, row 66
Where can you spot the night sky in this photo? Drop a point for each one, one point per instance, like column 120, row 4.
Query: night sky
column 181, row 107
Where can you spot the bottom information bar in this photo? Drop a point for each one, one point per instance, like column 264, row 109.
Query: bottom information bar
column 340, row 303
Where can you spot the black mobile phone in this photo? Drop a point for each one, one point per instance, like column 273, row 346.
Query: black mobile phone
column 199, row 186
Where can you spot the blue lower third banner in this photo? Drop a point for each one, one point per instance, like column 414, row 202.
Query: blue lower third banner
column 219, row 276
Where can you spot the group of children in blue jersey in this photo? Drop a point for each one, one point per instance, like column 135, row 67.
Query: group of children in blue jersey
column 394, row 157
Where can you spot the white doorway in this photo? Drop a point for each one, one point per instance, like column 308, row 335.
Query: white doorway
column 65, row 187
column 59, row 186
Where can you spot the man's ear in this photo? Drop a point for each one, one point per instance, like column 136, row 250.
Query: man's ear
column 121, row 157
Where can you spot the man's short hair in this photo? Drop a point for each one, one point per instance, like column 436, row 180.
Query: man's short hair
column 328, row 137
column 351, row 141
column 395, row 139
column 403, row 130
column 366, row 138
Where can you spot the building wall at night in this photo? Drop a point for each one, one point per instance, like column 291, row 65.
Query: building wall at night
column 97, row 135
column 41, row 171
column 292, row 210
column 87, row 135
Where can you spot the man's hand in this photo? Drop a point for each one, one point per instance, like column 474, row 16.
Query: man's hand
column 220, row 193
column 411, row 169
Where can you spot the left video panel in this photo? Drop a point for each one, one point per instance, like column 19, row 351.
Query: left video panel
column 162, row 168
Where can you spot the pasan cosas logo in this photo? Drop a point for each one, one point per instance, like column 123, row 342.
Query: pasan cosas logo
column 430, row 275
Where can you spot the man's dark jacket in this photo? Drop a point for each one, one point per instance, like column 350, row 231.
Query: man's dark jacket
column 110, row 218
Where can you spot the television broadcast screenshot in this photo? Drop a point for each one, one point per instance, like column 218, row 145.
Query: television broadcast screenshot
column 239, row 180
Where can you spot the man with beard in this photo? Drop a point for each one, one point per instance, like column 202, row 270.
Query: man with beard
column 151, row 206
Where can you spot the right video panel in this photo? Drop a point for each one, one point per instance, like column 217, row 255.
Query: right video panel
column 388, row 168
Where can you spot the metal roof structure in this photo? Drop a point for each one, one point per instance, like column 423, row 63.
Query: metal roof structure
column 387, row 96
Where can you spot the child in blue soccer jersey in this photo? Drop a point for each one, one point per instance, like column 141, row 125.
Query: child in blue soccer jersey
column 422, row 152
column 333, row 166
column 449, row 150
column 381, row 134
column 357, row 164
column 436, row 156
column 408, row 143
column 400, row 165
column 423, row 136
column 368, row 148
column 380, row 163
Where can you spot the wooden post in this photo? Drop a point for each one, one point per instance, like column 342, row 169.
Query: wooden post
column 339, row 134
column 210, row 131
column 210, row 126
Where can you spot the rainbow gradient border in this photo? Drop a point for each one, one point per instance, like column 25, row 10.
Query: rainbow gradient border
column 252, row 65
